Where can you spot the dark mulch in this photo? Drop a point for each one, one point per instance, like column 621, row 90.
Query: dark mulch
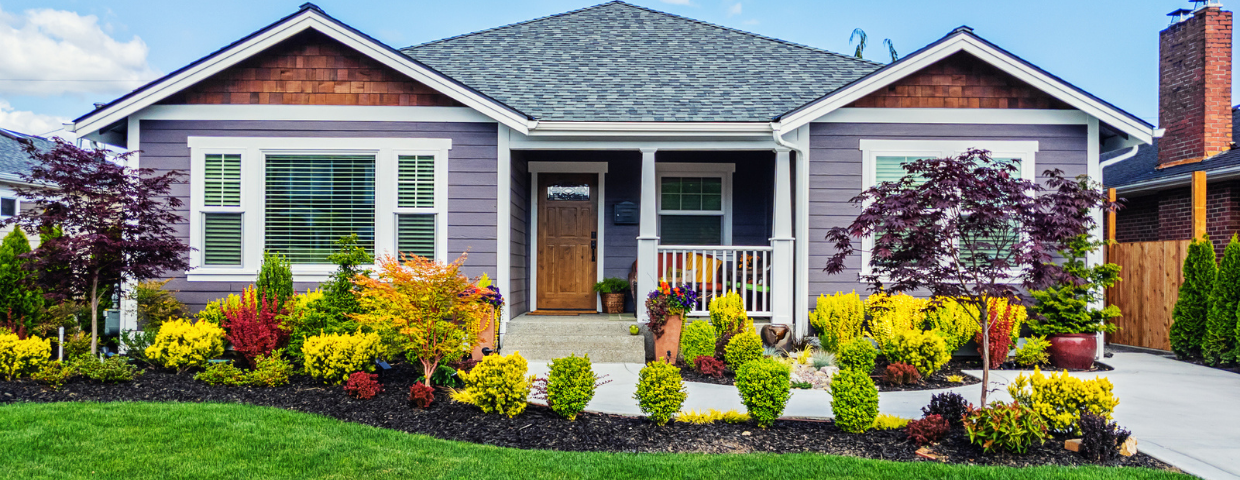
column 936, row 381
column 975, row 363
column 539, row 427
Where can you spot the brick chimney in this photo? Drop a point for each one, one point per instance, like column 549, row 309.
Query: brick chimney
column 1194, row 88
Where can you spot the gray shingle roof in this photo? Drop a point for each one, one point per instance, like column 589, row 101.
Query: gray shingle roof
column 13, row 158
column 621, row 62
column 1143, row 166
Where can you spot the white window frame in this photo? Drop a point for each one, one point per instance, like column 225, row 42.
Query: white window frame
column 1026, row 151
column 17, row 205
column 722, row 171
column 254, row 151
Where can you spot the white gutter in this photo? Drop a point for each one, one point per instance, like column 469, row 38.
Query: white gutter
column 1132, row 151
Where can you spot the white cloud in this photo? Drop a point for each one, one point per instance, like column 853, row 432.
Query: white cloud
column 751, row 22
column 680, row 2
column 734, row 10
column 61, row 49
column 29, row 122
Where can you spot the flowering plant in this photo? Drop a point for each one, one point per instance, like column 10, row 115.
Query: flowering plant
column 666, row 301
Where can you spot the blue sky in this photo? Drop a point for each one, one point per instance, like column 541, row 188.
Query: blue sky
column 1108, row 47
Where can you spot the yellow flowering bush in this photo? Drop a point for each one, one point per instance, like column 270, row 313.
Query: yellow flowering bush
column 727, row 315
column 889, row 422
column 837, row 319
column 332, row 357
column 181, row 345
column 957, row 323
column 1060, row 398
column 893, row 314
column 497, row 385
column 925, row 351
column 22, row 357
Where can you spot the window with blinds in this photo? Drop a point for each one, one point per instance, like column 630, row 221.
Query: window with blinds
column 313, row 200
column 1000, row 239
column 221, row 243
column 415, row 183
column 415, row 234
column 691, row 194
column 222, row 180
column 890, row 168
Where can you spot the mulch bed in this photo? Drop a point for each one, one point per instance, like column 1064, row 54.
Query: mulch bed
column 936, row 381
column 539, row 427
column 976, row 364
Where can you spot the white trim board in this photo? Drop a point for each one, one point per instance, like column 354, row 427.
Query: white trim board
column 308, row 18
column 253, row 152
column 535, row 168
column 965, row 116
column 355, row 113
column 964, row 42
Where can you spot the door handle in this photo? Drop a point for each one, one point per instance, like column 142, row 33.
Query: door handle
column 593, row 250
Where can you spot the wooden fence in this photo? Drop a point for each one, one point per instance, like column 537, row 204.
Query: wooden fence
column 1150, row 277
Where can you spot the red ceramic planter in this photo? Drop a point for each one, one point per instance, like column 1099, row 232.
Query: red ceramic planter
column 669, row 341
column 1073, row 351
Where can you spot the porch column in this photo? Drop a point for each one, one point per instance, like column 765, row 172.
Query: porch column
column 782, row 242
column 648, row 235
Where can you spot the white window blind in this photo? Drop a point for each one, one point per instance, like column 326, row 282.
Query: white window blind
column 222, row 180
column 415, row 234
column 416, row 181
column 221, row 243
column 313, row 200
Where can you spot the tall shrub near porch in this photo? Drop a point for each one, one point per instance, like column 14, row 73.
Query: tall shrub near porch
column 433, row 305
column 1220, row 342
column 1189, row 317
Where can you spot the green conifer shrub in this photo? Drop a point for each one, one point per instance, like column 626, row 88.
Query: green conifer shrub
column 1189, row 317
column 1219, row 345
column 20, row 301
column 275, row 278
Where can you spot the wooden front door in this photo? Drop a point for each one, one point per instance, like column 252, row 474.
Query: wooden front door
column 567, row 241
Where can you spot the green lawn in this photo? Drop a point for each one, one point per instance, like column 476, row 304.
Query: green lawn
column 172, row 440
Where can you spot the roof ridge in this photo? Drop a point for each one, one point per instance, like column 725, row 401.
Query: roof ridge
column 501, row 27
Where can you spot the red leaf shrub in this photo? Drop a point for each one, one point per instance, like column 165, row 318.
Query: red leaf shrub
column 1000, row 336
column 421, row 396
column 363, row 385
column 901, row 374
column 255, row 326
column 463, row 365
column 709, row 366
column 928, row 430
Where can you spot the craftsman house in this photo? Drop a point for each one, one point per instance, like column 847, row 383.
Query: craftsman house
column 602, row 142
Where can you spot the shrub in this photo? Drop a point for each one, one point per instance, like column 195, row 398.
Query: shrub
column 271, row 371
column 570, row 385
column 858, row 354
column 889, row 422
column 744, row 347
column 929, row 429
column 612, row 285
column 710, row 366
column 837, row 319
column 332, row 357
column 1219, row 345
column 340, row 294
column 444, row 376
column 711, row 416
column 54, row 374
column 497, row 385
column 255, row 327
column 955, row 378
column 77, row 346
column 1000, row 337
column 221, row 373
column 21, row 303
column 952, row 320
column 822, row 359
column 660, row 391
column 1003, row 426
column 156, row 305
column 925, row 351
column 1100, row 439
column 764, row 389
column 363, row 386
column 112, row 370
column 275, row 278
column 136, row 343
column 20, row 357
column 1189, row 317
column 309, row 315
column 949, row 405
column 697, row 339
column 728, row 315
column 893, row 314
column 421, row 395
column 1033, row 352
column 1061, row 398
column 721, row 346
column 854, row 400
column 901, row 374
column 181, row 345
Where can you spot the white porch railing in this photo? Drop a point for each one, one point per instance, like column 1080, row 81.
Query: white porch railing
column 713, row 271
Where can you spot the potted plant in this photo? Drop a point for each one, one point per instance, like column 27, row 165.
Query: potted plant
column 667, row 307
column 1064, row 314
column 612, row 290
column 489, row 295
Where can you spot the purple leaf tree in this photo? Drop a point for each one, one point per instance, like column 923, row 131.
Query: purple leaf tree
column 968, row 227
column 117, row 222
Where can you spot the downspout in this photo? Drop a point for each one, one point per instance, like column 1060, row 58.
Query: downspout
column 798, row 324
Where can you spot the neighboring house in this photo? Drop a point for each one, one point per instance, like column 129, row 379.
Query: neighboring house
column 1194, row 111
column 578, row 146
column 14, row 162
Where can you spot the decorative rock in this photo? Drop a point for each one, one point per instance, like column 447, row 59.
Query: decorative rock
column 1072, row 444
column 745, row 434
column 830, row 370
column 924, row 452
column 1129, row 447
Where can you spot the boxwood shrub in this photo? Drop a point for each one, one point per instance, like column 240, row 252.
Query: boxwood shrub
column 570, row 385
column 854, row 400
column 697, row 339
column 764, row 389
column 660, row 391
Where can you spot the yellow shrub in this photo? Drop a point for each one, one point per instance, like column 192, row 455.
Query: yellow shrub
column 333, row 357
column 728, row 315
column 497, row 385
column 711, row 416
column 182, row 345
column 214, row 311
column 22, row 357
column 1060, row 398
column 893, row 314
column 838, row 319
column 953, row 321
column 889, row 422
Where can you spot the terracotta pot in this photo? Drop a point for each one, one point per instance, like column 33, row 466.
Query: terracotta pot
column 486, row 337
column 669, row 341
column 613, row 302
column 1073, row 351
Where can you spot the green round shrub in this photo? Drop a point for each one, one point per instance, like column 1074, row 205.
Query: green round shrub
column 744, row 347
column 854, row 400
column 660, row 391
column 858, row 354
column 925, row 351
column 698, row 338
column 570, row 385
column 764, row 389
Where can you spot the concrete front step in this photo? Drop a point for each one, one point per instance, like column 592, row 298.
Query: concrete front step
column 548, row 338
column 562, row 328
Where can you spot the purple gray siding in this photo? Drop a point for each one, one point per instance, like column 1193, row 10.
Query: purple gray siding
column 835, row 176
column 472, row 179
column 518, row 297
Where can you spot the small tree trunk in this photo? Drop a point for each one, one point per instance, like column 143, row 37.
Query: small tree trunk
column 428, row 367
column 94, row 316
column 985, row 350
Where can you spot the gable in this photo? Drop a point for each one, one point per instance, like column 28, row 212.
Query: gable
column 960, row 81
column 310, row 68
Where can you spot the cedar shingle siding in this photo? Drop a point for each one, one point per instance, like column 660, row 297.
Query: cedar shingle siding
column 960, row 81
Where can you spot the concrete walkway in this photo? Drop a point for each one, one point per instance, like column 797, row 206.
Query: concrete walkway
column 1182, row 414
